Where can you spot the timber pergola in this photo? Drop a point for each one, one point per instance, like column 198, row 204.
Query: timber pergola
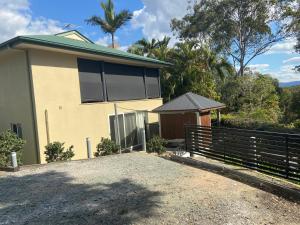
column 189, row 108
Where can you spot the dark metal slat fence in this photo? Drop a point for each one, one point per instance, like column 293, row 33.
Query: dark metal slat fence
column 273, row 153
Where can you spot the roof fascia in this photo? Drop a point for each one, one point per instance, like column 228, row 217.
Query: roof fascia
column 19, row 40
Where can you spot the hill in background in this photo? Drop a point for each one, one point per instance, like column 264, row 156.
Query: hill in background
column 289, row 84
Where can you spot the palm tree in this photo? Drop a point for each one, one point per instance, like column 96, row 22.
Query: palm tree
column 153, row 48
column 112, row 21
column 148, row 46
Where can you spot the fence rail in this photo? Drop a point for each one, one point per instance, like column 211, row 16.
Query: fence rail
column 273, row 153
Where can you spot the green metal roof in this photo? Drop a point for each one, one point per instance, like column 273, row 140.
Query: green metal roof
column 80, row 46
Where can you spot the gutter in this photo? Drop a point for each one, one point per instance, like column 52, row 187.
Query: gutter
column 29, row 40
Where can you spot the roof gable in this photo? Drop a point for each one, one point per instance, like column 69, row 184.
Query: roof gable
column 189, row 102
column 75, row 35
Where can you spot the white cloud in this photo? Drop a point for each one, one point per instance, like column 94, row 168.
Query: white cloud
column 105, row 41
column 262, row 68
column 19, row 21
column 294, row 60
column 124, row 48
column 285, row 47
column 286, row 73
column 156, row 16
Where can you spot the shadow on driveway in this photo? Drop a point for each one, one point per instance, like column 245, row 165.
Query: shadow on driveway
column 55, row 198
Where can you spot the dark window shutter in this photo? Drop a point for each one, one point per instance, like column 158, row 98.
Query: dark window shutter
column 152, row 83
column 124, row 82
column 90, row 81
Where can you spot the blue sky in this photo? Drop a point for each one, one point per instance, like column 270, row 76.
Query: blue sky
column 151, row 20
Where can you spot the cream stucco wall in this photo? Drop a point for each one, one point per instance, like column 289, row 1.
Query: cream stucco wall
column 74, row 36
column 15, row 100
column 57, row 90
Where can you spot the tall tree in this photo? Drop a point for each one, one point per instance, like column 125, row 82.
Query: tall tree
column 112, row 21
column 254, row 95
column 241, row 29
column 195, row 69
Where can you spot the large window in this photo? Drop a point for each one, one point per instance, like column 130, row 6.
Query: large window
column 124, row 82
column 130, row 126
column 91, row 87
column 152, row 83
column 101, row 81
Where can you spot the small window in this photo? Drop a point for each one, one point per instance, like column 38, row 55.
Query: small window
column 17, row 129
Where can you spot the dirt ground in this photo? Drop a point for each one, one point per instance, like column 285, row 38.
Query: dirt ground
column 135, row 188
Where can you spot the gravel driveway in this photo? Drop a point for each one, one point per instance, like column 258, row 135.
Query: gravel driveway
column 135, row 188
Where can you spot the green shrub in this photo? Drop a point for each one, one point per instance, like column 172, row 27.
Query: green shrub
column 243, row 122
column 56, row 152
column 10, row 142
column 297, row 123
column 106, row 147
column 156, row 144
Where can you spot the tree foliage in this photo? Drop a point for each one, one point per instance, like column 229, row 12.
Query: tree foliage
column 195, row 68
column 294, row 25
column 254, row 96
column 153, row 48
column 112, row 21
column 295, row 104
column 214, row 31
column 240, row 29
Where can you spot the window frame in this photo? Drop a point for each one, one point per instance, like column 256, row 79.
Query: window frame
column 19, row 129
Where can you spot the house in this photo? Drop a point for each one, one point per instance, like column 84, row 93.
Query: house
column 186, row 109
column 63, row 88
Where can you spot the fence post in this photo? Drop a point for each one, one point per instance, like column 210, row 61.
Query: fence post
column 287, row 156
column 223, row 141
column 187, row 134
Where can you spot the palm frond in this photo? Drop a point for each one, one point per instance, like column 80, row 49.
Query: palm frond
column 121, row 18
column 98, row 21
column 109, row 11
column 164, row 42
column 143, row 42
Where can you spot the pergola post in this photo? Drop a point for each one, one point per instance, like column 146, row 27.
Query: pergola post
column 198, row 118
column 159, row 124
column 219, row 117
